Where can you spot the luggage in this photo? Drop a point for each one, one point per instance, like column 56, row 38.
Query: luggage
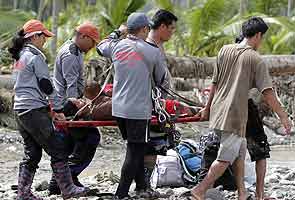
column 168, row 171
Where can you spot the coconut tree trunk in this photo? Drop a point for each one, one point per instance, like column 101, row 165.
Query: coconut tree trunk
column 290, row 4
column 243, row 7
column 15, row 4
column 54, row 26
column 41, row 9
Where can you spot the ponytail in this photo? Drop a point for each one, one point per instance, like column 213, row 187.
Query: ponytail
column 239, row 38
column 18, row 42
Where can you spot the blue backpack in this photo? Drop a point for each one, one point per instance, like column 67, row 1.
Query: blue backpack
column 191, row 159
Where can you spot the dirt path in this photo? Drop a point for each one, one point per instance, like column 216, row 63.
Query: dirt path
column 109, row 157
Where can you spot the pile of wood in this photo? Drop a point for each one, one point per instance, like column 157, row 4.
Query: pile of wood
column 6, row 104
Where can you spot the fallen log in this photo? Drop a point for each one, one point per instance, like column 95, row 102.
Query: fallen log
column 202, row 68
column 6, row 81
column 6, row 104
column 184, row 67
column 192, row 67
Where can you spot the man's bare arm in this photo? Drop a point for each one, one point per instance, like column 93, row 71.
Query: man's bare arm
column 205, row 113
column 273, row 102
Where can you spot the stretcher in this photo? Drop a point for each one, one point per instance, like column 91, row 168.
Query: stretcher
column 154, row 121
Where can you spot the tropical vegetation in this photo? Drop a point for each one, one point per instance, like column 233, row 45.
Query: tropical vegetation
column 203, row 26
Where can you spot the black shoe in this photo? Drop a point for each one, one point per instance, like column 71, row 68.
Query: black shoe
column 122, row 198
column 148, row 193
column 76, row 181
column 53, row 188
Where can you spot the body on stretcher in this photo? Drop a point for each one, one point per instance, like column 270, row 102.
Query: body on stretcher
column 100, row 112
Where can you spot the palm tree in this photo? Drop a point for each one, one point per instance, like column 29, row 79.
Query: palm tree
column 54, row 26
column 10, row 23
column 268, row 7
column 243, row 7
column 15, row 4
column 115, row 12
column 202, row 24
column 206, row 28
column 290, row 4
column 41, row 9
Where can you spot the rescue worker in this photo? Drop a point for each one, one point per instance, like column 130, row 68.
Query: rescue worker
column 135, row 62
column 31, row 106
column 69, row 84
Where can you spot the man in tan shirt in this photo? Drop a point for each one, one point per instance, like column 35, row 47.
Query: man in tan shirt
column 239, row 68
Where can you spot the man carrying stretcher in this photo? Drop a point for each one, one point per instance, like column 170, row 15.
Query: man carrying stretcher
column 69, row 84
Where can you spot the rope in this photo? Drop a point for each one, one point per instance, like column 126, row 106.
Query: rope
column 98, row 95
column 163, row 116
column 173, row 94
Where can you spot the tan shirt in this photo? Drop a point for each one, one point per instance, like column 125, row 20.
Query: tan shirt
column 239, row 68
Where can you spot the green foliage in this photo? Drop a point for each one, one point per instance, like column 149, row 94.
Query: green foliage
column 107, row 15
column 268, row 7
column 115, row 12
column 10, row 22
column 165, row 4
column 198, row 27
column 203, row 27
column 5, row 58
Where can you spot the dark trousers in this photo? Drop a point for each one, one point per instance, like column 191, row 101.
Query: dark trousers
column 132, row 169
column 136, row 132
column 38, row 133
column 257, row 143
column 82, row 148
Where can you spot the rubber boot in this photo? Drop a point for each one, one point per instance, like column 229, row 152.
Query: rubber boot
column 76, row 181
column 63, row 177
column 25, row 180
column 53, row 187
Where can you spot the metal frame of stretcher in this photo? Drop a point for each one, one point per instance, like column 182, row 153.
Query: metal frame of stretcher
column 154, row 121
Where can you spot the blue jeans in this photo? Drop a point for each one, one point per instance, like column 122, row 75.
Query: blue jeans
column 84, row 141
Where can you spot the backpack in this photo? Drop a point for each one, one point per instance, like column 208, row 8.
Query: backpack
column 209, row 144
column 191, row 159
column 167, row 171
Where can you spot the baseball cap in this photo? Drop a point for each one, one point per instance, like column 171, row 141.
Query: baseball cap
column 137, row 20
column 33, row 27
column 90, row 30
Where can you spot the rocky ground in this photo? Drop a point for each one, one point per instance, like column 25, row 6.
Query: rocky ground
column 103, row 173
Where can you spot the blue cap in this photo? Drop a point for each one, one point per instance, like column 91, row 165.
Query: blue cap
column 137, row 20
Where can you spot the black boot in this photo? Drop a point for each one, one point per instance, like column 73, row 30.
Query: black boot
column 53, row 187
column 76, row 181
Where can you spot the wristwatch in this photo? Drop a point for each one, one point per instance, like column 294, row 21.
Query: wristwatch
column 116, row 34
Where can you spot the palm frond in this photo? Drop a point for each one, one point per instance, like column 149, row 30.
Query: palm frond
column 134, row 5
column 165, row 4
column 286, row 42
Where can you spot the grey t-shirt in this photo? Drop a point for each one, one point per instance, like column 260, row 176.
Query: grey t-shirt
column 133, row 60
column 167, row 83
column 68, row 77
column 28, row 71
